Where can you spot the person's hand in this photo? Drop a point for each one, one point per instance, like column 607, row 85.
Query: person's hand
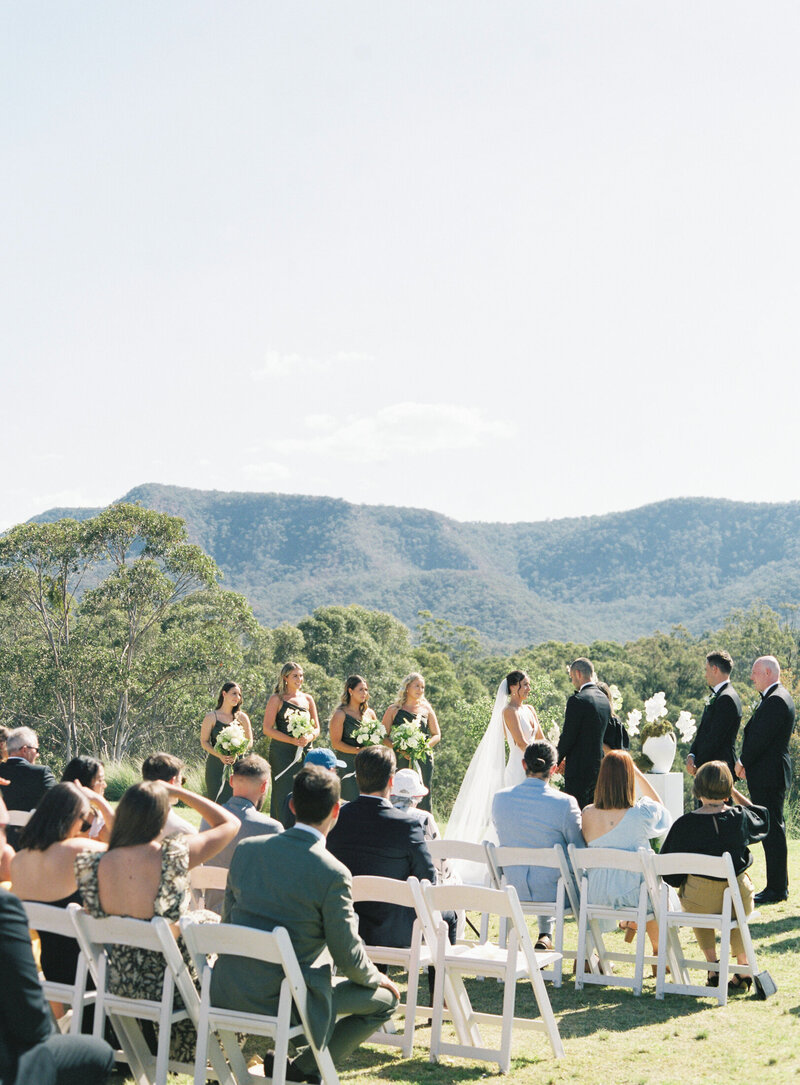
column 691, row 768
column 387, row 983
column 560, row 766
column 739, row 770
column 304, row 740
column 226, row 759
column 4, row 783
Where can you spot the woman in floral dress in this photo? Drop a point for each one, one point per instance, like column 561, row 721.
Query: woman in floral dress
column 140, row 878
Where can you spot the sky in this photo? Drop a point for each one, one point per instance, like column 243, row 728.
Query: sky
column 504, row 260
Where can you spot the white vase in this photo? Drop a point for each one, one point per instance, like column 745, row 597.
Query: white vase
column 661, row 750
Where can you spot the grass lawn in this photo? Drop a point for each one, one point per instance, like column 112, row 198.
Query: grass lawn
column 614, row 1038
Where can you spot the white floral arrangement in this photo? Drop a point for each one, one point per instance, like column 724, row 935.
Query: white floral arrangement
column 369, row 732
column 655, row 710
column 409, row 740
column 232, row 740
column 299, row 723
column 616, row 699
column 633, row 721
column 686, row 726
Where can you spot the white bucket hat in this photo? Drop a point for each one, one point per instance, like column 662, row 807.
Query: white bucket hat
column 408, row 785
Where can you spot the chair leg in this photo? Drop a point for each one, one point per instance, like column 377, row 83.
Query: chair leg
column 509, row 998
column 580, row 960
column 412, row 997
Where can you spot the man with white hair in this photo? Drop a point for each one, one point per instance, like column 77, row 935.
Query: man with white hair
column 764, row 763
column 27, row 781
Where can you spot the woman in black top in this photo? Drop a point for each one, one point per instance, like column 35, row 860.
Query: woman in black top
column 715, row 827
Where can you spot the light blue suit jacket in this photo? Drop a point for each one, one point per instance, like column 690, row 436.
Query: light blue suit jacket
column 535, row 815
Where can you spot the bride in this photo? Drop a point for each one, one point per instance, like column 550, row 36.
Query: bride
column 514, row 722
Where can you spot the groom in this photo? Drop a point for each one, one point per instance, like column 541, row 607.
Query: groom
column 587, row 715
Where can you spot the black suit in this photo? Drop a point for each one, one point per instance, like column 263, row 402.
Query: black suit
column 765, row 756
column 30, row 1052
column 372, row 837
column 586, row 720
column 716, row 736
column 27, row 784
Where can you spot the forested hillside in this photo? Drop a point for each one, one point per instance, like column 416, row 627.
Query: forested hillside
column 623, row 575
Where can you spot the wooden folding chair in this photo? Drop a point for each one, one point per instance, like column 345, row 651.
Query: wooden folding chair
column 202, row 878
column 584, row 860
column 51, row 920
column 730, row 917
column 518, row 960
column 566, row 900
column 412, row 958
column 96, row 938
column 206, row 943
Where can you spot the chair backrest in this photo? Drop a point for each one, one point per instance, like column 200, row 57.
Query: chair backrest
column 473, row 898
column 369, row 887
column 208, row 877
column 706, row 866
column 46, row 917
column 584, row 859
column 19, row 817
column 463, row 850
column 115, row 930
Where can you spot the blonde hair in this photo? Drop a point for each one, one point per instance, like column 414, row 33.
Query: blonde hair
column 402, row 693
column 287, row 668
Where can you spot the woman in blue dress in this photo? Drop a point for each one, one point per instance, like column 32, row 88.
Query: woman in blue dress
column 617, row 819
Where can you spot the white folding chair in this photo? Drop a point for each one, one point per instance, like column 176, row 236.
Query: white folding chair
column 412, row 958
column 566, row 898
column 48, row 919
column 470, row 863
column 518, row 960
column 96, row 938
column 583, row 861
column 202, row 878
column 730, row 917
column 207, row 942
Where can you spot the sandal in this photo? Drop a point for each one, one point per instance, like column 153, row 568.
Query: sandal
column 629, row 928
column 739, row 983
column 712, row 978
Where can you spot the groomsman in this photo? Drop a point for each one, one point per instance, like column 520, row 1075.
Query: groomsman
column 716, row 736
column 587, row 716
column 764, row 763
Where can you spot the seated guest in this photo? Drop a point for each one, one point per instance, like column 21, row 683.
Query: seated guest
column 407, row 791
column 372, row 837
column 143, row 875
column 325, row 759
column 535, row 815
column 27, row 781
column 90, row 774
column 714, row 828
column 249, row 782
column 617, row 819
column 31, row 1052
column 169, row 770
column 291, row 880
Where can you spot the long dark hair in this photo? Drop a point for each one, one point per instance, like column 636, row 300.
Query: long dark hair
column 54, row 817
column 513, row 678
column 226, row 688
column 141, row 815
column 351, row 683
column 82, row 769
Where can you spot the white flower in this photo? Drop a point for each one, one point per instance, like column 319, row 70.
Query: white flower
column 686, row 725
column 656, row 707
column 232, row 740
column 299, row 723
column 634, row 719
column 616, row 698
column 369, row 732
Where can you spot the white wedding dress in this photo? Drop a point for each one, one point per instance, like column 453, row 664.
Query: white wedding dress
column 488, row 773
column 515, row 773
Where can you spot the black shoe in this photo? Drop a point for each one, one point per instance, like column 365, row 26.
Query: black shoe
column 769, row 896
column 292, row 1073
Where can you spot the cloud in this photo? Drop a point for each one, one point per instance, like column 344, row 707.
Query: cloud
column 277, row 364
column 266, row 473
column 418, row 429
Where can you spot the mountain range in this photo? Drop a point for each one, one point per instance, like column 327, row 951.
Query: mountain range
column 618, row 576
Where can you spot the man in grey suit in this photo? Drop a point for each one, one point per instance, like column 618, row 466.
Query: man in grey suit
column 290, row 880
column 249, row 783
column 535, row 815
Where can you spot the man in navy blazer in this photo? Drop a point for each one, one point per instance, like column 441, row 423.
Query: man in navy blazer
column 764, row 762
column 535, row 815
column 587, row 716
column 27, row 781
column 716, row 736
column 373, row 837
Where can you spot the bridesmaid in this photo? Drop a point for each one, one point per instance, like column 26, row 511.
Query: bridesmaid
column 287, row 697
column 228, row 711
column 411, row 703
column 352, row 711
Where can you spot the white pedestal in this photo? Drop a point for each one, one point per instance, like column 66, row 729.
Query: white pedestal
column 669, row 787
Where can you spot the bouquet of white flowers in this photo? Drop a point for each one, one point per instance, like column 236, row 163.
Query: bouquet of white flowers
column 369, row 732
column 299, row 723
column 409, row 740
column 231, row 742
